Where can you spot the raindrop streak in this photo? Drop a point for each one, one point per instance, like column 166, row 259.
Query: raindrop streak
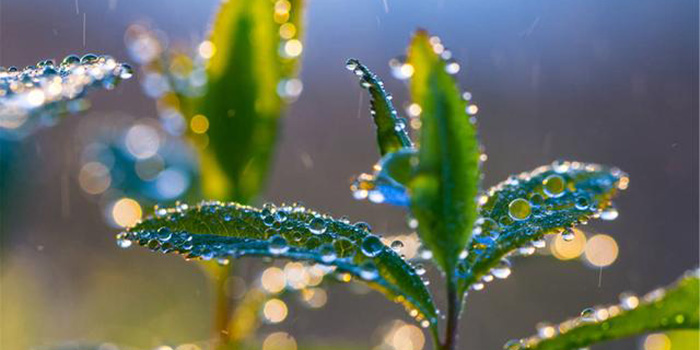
column 84, row 27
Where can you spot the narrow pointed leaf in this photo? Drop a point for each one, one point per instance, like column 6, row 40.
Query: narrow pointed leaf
column 387, row 184
column 675, row 307
column 222, row 231
column 446, row 181
column 256, row 47
column 36, row 95
column 523, row 209
column 391, row 129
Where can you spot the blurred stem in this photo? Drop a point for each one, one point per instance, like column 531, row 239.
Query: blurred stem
column 454, row 308
column 223, row 311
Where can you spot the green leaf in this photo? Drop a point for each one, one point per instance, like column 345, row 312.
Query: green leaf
column 212, row 230
column 447, row 177
column 675, row 307
column 391, row 129
column 522, row 209
column 256, row 49
column 32, row 97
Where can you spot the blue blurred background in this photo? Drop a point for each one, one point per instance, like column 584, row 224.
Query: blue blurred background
column 612, row 82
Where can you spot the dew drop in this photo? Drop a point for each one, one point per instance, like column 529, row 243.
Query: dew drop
column 554, row 186
column 519, row 209
column 609, row 214
column 124, row 243
column 539, row 243
column 526, row 251
column 582, row 203
column 327, row 253
column 420, row 269
column 397, row 245
column 125, row 71
column 588, row 315
column 163, row 234
column 277, row 245
column 88, row 58
column 363, row 226
column 317, row 226
column 502, row 270
column 351, row 65
column 371, row 246
column 568, row 235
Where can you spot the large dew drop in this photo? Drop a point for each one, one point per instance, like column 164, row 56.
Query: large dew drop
column 554, row 186
column 371, row 246
column 502, row 270
column 278, row 245
column 317, row 226
column 519, row 209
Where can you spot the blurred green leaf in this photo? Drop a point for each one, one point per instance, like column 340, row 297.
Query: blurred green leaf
column 221, row 231
column 391, row 129
column 522, row 209
column 675, row 307
column 446, row 181
column 34, row 96
column 255, row 48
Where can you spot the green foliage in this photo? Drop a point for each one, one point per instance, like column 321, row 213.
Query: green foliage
column 470, row 235
column 675, row 307
column 221, row 231
column 248, row 78
column 34, row 96
column 522, row 209
column 391, row 129
column 446, row 180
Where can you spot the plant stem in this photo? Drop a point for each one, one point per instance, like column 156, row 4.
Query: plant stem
column 223, row 308
column 454, row 307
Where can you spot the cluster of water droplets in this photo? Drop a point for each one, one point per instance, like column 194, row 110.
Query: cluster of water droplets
column 600, row 315
column 35, row 95
column 517, row 213
column 287, row 231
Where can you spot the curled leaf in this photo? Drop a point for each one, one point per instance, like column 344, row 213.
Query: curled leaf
column 447, row 177
column 387, row 184
column 675, row 307
column 212, row 230
column 33, row 96
column 521, row 210
column 391, row 129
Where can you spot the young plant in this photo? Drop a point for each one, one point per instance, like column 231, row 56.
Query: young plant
column 250, row 62
column 469, row 233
